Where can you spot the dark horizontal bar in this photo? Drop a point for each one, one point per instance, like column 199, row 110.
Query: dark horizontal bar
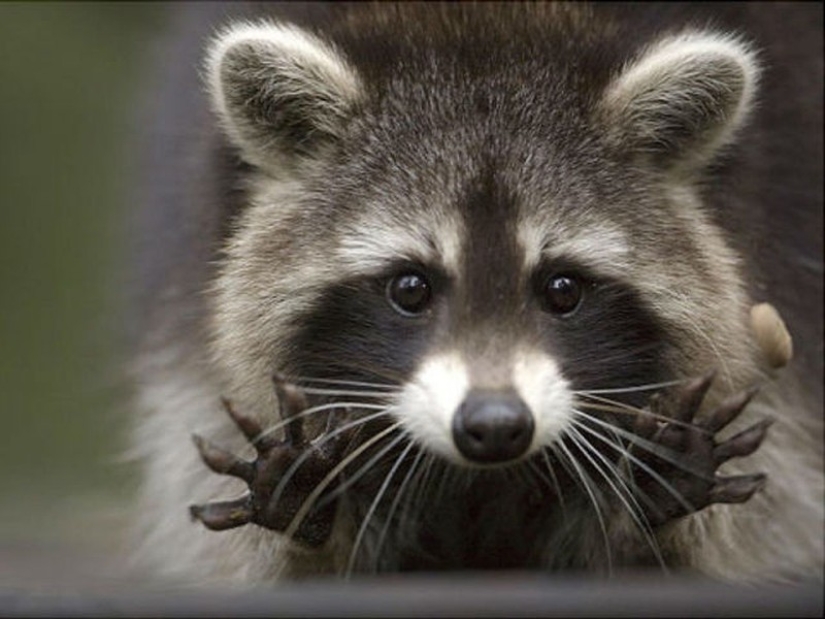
column 483, row 595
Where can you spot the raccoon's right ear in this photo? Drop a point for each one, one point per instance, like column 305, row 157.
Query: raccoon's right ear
column 682, row 99
column 281, row 93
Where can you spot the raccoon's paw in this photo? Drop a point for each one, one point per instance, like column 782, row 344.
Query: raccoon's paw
column 676, row 475
column 280, row 479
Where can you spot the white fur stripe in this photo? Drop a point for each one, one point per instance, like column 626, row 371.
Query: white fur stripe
column 545, row 391
column 600, row 247
column 372, row 244
column 429, row 401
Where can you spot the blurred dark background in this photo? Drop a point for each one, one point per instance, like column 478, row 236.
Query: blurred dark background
column 71, row 83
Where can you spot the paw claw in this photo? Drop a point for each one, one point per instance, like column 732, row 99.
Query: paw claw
column 728, row 410
column 744, row 443
column 223, row 515
column 291, row 401
column 250, row 428
column 737, row 489
column 222, row 461
column 687, row 481
column 293, row 463
column 692, row 395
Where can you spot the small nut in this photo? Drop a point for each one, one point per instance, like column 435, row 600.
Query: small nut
column 771, row 335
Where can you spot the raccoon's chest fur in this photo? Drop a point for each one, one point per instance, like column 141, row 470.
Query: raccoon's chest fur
column 498, row 527
column 468, row 242
column 487, row 523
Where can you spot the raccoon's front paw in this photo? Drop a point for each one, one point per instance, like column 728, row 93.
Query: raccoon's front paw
column 676, row 461
column 280, row 479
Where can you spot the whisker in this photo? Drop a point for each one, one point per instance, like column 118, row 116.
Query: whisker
column 348, row 393
column 394, row 505
column 348, row 383
column 374, row 505
column 634, row 389
column 540, row 474
column 587, row 488
column 555, row 483
column 313, row 410
column 654, row 448
column 622, row 491
column 609, row 408
column 445, row 481
column 276, row 494
column 421, row 483
column 330, row 477
column 343, row 487
column 352, row 366
column 560, row 457
column 613, row 406
column 664, row 483
column 619, row 446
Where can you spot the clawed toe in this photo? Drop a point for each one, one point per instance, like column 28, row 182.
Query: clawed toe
column 744, row 443
column 691, row 397
column 694, row 455
column 737, row 489
column 279, row 479
column 223, row 515
column 728, row 410
column 223, row 462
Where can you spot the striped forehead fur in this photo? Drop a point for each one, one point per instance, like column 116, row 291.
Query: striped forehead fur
column 599, row 246
column 378, row 239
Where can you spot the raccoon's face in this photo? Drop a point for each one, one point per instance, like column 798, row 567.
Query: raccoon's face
column 484, row 251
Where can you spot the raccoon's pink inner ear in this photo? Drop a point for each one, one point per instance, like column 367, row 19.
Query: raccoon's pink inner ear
column 682, row 99
column 280, row 92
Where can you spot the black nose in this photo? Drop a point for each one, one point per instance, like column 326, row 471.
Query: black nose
column 492, row 426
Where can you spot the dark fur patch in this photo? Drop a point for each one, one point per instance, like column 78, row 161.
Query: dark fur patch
column 490, row 288
column 354, row 333
column 611, row 341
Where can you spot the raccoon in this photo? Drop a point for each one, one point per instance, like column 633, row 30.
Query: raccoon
column 467, row 286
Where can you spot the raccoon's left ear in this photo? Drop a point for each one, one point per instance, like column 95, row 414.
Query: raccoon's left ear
column 682, row 99
column 281, row 92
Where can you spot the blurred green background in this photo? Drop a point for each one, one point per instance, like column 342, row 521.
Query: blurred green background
column 70, row 84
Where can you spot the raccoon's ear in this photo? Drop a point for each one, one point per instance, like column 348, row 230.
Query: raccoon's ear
column 682, row 99
column 280, row 92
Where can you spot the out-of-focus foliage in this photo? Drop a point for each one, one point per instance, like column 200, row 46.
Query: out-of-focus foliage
column 70, row 79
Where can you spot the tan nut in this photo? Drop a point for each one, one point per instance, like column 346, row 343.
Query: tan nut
column 771, row 334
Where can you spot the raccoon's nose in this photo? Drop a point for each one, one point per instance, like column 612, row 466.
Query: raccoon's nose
column 492, row 426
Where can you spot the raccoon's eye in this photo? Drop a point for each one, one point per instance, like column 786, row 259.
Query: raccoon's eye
column 409, row 293
column 562, row 294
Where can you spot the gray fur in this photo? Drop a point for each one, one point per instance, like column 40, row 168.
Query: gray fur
column 485, row 139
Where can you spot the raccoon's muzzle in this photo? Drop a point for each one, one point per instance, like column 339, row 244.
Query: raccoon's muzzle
column 492, row 426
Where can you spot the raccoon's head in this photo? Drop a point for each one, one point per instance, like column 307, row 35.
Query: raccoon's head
column 485, row 236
